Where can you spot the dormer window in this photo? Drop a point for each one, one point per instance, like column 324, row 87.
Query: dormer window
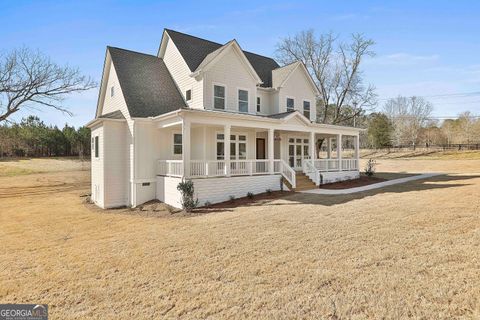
column 306, row 109
column 188, row 95
column 290, row 104
column 243, row 100
column 219, row 97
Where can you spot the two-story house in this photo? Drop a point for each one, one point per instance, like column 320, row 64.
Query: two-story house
column 231, row 120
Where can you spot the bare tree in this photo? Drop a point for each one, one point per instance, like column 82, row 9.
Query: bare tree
column 335, row 67
column 409, row 116
column 29, row 79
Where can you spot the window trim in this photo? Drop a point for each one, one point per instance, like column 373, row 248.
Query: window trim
column 174, row 144
column 238, row 99
column 97, row 147
column 286, row 104
column 237, row 142
column 258, row 104
column 310, row 108
column 213, row 95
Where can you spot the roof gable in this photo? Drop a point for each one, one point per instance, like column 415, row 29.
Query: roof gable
column 147, row 86
column 194, row 51
column 281, row 75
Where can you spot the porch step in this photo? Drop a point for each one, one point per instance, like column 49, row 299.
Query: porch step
column 303, row 182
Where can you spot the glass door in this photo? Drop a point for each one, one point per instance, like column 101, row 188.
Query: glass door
column 297, row 152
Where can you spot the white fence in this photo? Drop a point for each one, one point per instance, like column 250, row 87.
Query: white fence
column 218, row 168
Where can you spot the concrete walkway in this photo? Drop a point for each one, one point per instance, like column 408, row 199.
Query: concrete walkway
column 372, row 186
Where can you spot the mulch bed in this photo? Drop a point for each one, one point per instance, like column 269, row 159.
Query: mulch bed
column 360, row 182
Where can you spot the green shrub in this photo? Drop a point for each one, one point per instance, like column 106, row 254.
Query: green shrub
column 250, row 195
column 187, row 190
column 269, row 191
column 232, row 198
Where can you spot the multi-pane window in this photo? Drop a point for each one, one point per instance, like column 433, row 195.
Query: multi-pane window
column 290, row 104
column 306, row 109
column 258, row 104
column 238, row 146
column 188, row 95
column 177, row 143
column 218, row 97
column 243, row 100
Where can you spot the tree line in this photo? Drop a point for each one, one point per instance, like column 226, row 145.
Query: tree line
column 32, row 138
column 408, row 122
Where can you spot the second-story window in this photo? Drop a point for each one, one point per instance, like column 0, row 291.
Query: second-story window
column 258, row 104
column 290, row 104
column 306, row 109
column 112, row 91
column 243, row 100
column 218, row 97
column 188, row 95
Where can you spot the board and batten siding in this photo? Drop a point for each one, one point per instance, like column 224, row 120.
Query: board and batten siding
column 298, row 87
column 232, row 73
column 181, row 75
column 97, row 168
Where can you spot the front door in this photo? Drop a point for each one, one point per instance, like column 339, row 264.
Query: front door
column 297, row 151
column 260, row 148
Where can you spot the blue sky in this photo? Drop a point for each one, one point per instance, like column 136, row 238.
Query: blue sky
column 426, row 48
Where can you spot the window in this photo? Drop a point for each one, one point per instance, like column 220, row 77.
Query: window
column 243, row 100
column 218, row 97
column 306, row 109
column 258, row 104
column 238, row 147
column 96, row 147
column 112, row 91
column 177, row 143
column 290, row 104
column 188, row 95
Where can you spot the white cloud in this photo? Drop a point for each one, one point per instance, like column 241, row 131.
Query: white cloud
column 403, row 59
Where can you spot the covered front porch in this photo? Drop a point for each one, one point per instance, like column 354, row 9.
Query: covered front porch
column 211, row 145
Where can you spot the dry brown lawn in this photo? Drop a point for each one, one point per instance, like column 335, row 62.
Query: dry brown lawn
column 407, row 251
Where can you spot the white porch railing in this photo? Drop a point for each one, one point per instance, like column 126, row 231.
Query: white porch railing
column 218, row 168
column 312, row 172
column 326, row 165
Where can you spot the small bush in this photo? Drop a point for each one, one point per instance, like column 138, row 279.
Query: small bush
column 250, row 195
column 207, row 204
column 370, row 167
column 187, row 190
column 232, row 198
column 269, row 191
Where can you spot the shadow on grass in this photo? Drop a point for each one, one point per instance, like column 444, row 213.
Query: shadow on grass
column 297, row 198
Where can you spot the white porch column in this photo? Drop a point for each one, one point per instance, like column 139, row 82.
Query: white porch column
column 312, row 147
column 329, row 148
column 357, row 150
column 339, row 151
column 271, row 143
column 186, row 147
column 226, row 148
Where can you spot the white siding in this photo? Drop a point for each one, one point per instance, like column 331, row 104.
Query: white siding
column 117, row 102
column 97, row 170
column 181, row 74
column 329, row 177
column 231, row 72
column 297, row 87
column 266, row 102
column 217, row 190
column 115, row 164
column 167, row 191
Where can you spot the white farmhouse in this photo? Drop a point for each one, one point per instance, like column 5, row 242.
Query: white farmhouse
column 230, row 120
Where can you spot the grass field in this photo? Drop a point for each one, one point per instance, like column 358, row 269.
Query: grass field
column 406, row 251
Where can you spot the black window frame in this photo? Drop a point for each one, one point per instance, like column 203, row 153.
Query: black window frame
column 305, row 111
column 188, row 95
column 292, row 108
column 259, row 103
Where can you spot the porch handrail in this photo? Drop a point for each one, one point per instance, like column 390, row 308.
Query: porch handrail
column 170, row 167
column 311, row 171
column 327, row 165
column 280, row 166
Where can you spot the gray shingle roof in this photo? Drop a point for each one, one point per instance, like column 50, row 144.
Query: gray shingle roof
column 280, row 115
column 194, row 50
column 113, row 115
column 147, row 86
